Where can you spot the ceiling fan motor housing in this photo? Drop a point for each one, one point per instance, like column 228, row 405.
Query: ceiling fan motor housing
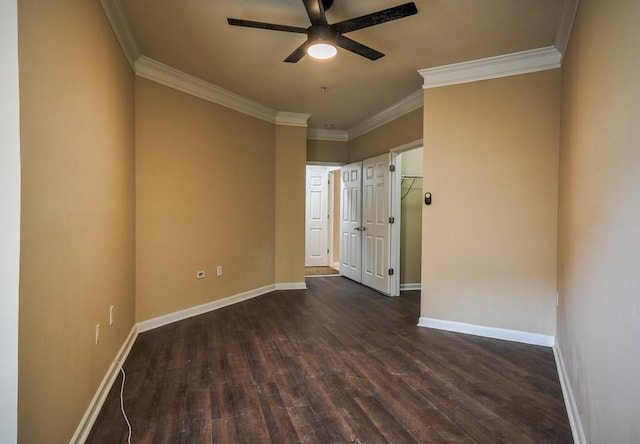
column 322, row 33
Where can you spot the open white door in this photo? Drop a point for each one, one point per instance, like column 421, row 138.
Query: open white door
column 350, row 222
column 376, row 232
column 317, row 224
column 367, row 252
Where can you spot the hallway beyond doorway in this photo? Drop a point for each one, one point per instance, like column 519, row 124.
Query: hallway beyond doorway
column 320, row 271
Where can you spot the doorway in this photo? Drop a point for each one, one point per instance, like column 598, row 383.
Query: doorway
column 317, row 218
column 320, row 207
column 344, row 196
column 410, row 199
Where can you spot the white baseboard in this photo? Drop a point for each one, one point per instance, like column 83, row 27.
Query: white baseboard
column 416, row 286
column 90, row 416
column 489, row 332
column 291, row 286
column 170, row 318
column 569, row 400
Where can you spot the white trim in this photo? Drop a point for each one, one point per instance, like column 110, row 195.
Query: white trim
column 336, row 265
column 419, row 143
column 492, row 67
column 330, row 165
column 173, row 78
column 170, row 318
column 9, row 219
column 569, row 10
column 416, row 286
column 395, row 211
column 291, row 286
column 117, row 18
column 327, row 134
column 90, row 416
column 569, row 400
column 292, row 119
column 399, row 109
column 489, row 332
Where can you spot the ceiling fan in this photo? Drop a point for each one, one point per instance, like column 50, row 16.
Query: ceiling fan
column 322, row 38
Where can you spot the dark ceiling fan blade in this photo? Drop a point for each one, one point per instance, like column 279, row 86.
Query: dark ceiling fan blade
column 375, row 18
column 315, row 11
column 297, row 54
column 358, row 48
column 262, row 25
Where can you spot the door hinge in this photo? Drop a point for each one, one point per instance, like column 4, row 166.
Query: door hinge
column 392, row 220
column 392, row 168
column 327, row 251
column 390, row 271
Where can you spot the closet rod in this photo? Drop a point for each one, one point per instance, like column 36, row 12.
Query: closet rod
column 412, row 177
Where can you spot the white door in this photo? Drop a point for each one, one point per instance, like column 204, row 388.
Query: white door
column 375, row 223
column 350, row 221
column 317, row 224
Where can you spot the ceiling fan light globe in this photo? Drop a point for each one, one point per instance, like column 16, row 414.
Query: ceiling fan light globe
column 321, row 51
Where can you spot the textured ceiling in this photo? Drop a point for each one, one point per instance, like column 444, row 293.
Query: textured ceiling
column 193, row 36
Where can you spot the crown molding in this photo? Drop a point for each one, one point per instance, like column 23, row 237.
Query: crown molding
column 173, row 78
column 292, row 119
column 117, row 18
column 482, row 69
column 492, row 67
column 327, row 134
column 399, row 109
column 569, row 10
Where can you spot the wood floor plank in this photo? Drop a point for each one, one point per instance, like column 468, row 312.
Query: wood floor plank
column 336, row 363
column 386, row 423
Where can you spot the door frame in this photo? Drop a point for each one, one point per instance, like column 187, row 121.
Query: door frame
column 396, row 195
column 330, row 166
column 319, row 254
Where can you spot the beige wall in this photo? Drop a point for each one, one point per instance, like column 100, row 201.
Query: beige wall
column 411, row 218
column 599, row 230
column 327, row 151
column 77, row 245
column 405, row 129
column 205, row 197
column 489, row 238
column 290, row 204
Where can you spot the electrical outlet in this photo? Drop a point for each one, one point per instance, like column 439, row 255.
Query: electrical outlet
column 219, row 270
column 111, row 315
column 200, row 274
column 97, row 333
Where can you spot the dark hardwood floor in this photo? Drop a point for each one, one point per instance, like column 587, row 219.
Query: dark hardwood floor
column 336, row 363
